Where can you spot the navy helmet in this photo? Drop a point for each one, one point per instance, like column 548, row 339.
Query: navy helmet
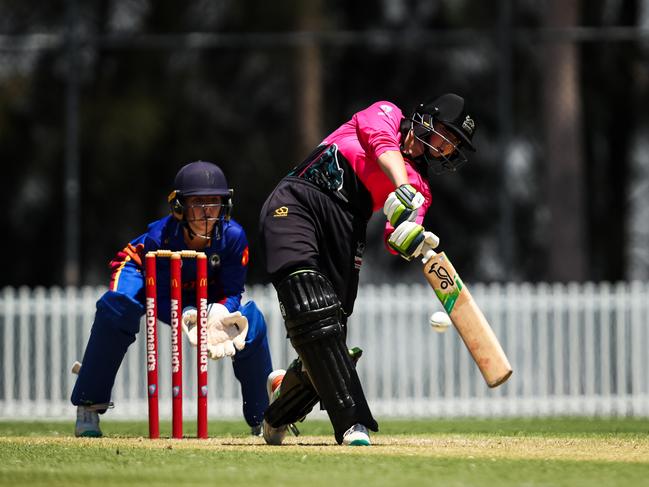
column 200, row 178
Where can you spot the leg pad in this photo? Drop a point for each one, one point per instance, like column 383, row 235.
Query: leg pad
column 313, row 317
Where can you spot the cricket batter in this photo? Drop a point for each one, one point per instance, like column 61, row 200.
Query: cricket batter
column 313, row 229
column 201, row 203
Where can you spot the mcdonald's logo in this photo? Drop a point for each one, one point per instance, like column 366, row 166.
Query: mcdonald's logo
column 150, row 281
column 203, row 281
column 174, row 282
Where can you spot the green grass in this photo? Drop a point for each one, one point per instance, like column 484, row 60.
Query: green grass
column 560, row 427
column 565, row 452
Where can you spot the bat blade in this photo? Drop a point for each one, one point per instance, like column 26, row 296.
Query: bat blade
column 468, row 319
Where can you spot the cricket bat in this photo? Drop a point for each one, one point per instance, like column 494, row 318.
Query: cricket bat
column 467, row 318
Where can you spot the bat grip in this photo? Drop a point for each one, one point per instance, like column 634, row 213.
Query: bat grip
column 427, row 253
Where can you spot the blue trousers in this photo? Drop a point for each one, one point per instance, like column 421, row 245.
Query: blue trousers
column 117, row 321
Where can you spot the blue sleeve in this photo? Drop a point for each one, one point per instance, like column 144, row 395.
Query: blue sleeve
column 127, row 267
column 234, row 265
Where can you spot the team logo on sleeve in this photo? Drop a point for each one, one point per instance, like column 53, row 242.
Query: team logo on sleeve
column 245, row 257
column 385, row 109
column 281, row 211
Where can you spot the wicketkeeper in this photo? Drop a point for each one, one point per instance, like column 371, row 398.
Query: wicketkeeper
column 201, row 204
column 313, row 234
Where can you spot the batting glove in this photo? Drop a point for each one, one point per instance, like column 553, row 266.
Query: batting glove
column 402, row 205
column 409, row 240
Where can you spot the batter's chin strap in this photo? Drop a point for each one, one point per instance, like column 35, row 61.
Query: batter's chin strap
column 425, row 165
column 404, row 127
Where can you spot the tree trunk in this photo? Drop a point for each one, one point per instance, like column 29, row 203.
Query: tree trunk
column 564, row 155
column 309, row 79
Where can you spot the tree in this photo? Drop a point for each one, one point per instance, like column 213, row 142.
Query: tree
column 564, row 154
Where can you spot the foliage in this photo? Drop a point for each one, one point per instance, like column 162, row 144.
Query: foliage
column 151, row 102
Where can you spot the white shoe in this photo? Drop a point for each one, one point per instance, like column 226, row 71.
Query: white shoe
column 87, row 424
column 357, row 435
column 274, row 436
column 256, row 430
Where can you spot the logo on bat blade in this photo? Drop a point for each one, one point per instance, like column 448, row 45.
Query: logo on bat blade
column 442, row 274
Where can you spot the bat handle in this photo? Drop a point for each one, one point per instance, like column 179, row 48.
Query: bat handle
column 427, row 253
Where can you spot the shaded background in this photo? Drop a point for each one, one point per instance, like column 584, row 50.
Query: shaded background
column 102, row 101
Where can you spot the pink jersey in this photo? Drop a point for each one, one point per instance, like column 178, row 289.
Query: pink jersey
column 363, row 139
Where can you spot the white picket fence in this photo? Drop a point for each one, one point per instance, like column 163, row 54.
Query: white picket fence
column 575, row 350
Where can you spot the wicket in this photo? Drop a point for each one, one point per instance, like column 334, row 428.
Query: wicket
column 176, row 340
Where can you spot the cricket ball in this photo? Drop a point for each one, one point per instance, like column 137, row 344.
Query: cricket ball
column 440, row 321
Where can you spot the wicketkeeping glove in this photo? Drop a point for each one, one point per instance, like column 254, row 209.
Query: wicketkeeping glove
column 402, row 205
column 408, row 239
column 226, row 332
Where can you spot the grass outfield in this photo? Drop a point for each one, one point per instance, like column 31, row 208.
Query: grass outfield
column 570, row 452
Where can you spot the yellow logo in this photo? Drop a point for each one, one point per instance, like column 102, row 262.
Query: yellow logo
column 281, row 211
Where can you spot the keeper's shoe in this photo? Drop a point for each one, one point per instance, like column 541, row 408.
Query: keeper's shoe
column 357, row 435
column 274, row 436
column 87, row 424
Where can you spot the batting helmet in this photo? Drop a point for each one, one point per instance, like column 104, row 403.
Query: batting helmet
column 449, row 110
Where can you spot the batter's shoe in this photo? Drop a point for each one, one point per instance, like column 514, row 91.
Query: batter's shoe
column 256, row 430
column 357, row 435
column 274, row 436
